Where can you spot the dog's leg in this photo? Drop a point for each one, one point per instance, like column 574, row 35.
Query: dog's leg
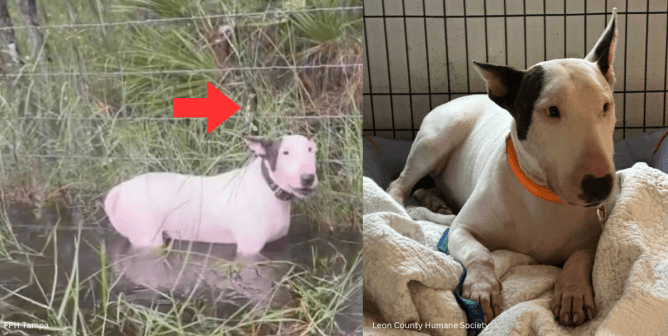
column 432, row 200
column 427, row 151
column 148, row 242
column 481, row 284
column 144, row 233
column 248, row 249
column 573, row 299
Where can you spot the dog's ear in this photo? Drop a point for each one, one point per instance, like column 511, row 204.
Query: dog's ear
column 266, row 149
column 258, row 146
column 503, row 82
column 603, row 52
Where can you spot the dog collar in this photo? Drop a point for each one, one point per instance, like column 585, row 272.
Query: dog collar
column 278, row 192
column 539, row 191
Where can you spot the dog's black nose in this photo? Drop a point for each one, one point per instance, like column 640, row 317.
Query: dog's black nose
column 307, row 179
column 596, row 189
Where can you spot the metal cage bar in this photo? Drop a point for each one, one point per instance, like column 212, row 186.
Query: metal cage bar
column 403, row 88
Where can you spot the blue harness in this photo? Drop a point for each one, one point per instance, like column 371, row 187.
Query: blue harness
column 473, row 309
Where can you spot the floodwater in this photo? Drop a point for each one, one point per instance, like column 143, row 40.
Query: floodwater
column 185, row 270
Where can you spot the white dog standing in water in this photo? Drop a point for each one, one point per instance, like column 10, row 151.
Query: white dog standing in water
column 248, row 206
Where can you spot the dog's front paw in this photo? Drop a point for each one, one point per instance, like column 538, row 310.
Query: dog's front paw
column 484, row 288
column 397, row 194
column 573, row 298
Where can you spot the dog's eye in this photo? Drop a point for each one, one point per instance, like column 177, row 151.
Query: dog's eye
column 554, row 112
column 286, row 153
column 605, row 107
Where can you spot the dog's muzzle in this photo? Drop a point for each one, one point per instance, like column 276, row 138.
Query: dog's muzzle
column 307, row 184
column 304, row 191
column 307, row 181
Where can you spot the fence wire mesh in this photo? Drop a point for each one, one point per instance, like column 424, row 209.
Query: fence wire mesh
column 90, row 104
column 419, row 53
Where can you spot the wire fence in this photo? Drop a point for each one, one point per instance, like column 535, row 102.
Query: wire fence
column 111, row 158
column 61, row 118
column 162, row 72
column 422, row 53
column 190, row 18
column 72, row 121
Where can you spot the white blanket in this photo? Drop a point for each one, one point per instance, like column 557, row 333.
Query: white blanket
column 410, row 283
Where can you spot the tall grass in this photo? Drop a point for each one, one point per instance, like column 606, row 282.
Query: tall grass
column 101, row 111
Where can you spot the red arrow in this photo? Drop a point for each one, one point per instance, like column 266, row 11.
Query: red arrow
column 216, row 107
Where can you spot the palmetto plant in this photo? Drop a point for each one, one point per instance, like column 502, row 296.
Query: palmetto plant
column 320, row 27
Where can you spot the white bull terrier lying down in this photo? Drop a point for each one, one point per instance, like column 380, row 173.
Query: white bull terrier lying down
column 529, row 167
column 248, row 206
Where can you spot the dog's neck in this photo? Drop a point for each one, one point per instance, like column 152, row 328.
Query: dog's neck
column 540, row 191
column 278, row 192
column 529, row 165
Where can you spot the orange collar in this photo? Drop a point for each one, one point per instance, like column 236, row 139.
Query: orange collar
column 539, row 191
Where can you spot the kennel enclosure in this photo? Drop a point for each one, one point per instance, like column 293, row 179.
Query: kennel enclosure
column 418, row 54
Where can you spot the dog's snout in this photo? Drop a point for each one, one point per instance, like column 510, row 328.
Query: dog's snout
column 596, row 189
column 307, row 179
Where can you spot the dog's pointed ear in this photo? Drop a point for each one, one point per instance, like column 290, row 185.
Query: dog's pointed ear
column 603, row 52
column 257, row 145
column 503, row 82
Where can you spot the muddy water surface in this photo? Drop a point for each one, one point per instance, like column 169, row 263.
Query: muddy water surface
column 185, row 270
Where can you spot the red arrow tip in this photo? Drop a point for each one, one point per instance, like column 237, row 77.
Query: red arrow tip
column 221, row 108
column 216, row 108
